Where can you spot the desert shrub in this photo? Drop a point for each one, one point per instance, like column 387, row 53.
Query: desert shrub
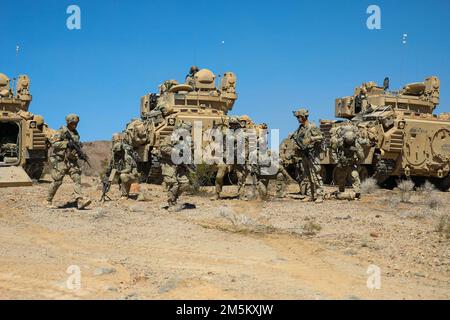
column 311, row 228
column 202, row 175
column 406, row 187
column 369, row 186
column 427, row 188
column 443, row 225
column 429, row 193
column 433, row 202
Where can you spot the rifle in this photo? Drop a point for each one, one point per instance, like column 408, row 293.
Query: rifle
column 106, row 182
column 77, row 147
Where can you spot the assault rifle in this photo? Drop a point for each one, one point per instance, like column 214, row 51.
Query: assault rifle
column 74, row 145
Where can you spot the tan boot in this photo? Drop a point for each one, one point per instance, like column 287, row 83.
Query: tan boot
column 318, row 200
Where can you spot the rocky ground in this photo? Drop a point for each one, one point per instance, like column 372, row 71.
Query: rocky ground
column 227, row 249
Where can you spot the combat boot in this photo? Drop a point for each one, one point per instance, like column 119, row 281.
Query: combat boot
column 319, row 200
column 83, row 203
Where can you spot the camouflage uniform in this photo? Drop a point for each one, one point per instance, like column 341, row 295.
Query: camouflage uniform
column 261, row 175
column 64, row 161
column 174, row 176
column 308, row 139
column 223, row 169
column 126, row 167
column 190, row 80
column 347, row 152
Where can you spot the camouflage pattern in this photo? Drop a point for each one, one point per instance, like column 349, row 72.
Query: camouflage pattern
column 175, row 177
column 261, row 175
column 290, row 160
column 241, row 170
column 190, row 78
column 64, row 162
column 126, row 167
column 308, row 139
column 347, row 152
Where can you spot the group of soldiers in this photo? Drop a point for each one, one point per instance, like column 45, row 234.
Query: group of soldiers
column 346, row 147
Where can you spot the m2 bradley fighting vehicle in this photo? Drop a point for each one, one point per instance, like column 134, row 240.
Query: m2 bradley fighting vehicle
column 23, row 140
column 403, row 138
column 198, row 99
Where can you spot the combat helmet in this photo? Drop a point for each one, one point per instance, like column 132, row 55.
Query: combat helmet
column 349, row 137
column 193, row 69
column 117, row 147
column 72, row 118
column 244, row 120
column 304, row 113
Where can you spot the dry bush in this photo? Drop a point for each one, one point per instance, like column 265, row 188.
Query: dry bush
column 311, row 228
column 433, row 202
column 427, row 188
column 429, row 193
column 369, row 186
column 443, row 225
column 244, row 224
column 202, row 176
column 406, row 187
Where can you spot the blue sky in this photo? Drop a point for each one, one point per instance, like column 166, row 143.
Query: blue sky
column 286, row 54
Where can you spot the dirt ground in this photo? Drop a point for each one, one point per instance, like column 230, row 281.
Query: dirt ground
column 227, row 249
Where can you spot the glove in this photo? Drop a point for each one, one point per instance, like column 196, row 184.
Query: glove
column 70, row 145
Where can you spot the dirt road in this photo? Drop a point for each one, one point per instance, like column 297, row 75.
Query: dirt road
column 227, row 249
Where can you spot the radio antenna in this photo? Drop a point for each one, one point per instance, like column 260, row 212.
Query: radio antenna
column 16, row 71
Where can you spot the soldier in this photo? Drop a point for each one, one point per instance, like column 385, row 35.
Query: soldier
column 224, row 168
column 347, row 152
column 309, row 139
column 125, row 168
column 64, row 160
column 291, row 154
column 241, row 166
column 261, row 173
column 190, row 77
column 175, row 176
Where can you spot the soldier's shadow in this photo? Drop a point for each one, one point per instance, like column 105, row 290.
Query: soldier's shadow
column 68, row 205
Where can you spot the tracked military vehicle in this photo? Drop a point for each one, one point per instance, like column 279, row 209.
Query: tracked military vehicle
column 405, row 138
column 23, row 142
column 197, row 99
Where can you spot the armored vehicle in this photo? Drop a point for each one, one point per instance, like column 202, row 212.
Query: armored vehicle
column 198, row 99
column 405, row 138
column 23, row 142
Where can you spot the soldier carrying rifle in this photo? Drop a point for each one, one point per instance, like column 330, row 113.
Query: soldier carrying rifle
column 67, row 150
column 122, row 169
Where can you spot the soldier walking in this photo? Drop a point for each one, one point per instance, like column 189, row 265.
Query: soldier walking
column 64, row 160
column 309, row 139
